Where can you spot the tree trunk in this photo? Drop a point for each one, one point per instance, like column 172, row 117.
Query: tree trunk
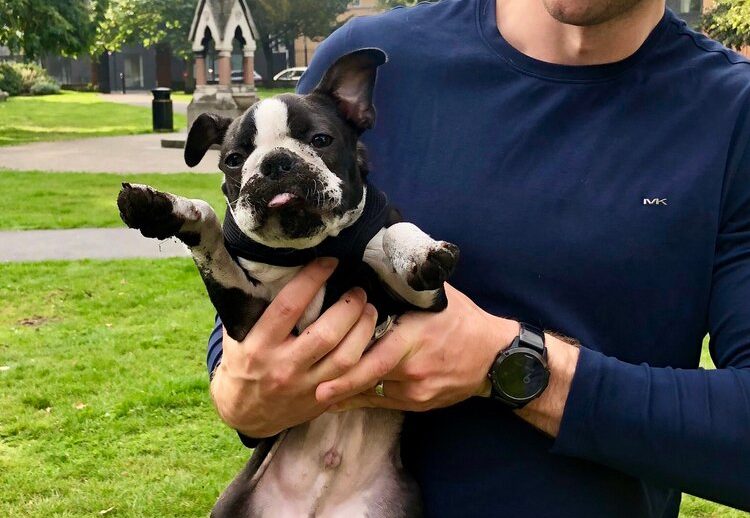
column 94, row 71
column 163, row 65
column 291, row 52
column 265, row 44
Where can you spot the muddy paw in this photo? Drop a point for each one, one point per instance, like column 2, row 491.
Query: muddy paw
column 437, row 267
column 150, row 211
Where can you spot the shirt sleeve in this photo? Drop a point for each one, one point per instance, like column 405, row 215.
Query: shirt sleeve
column 683, row 429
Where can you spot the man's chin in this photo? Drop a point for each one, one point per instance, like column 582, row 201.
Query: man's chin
column 587, row 13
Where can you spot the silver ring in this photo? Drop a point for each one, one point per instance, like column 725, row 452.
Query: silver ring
column 379, row 389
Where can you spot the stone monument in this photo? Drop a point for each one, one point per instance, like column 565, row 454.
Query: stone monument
column 220, row 29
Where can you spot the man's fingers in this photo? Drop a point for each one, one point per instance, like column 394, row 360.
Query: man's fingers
column 350, row 349
column 282, row 314
column 373, row 366
column 324, row 334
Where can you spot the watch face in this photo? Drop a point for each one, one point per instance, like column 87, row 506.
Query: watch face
column 520, row 375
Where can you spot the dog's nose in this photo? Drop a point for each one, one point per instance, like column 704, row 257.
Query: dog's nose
column 277, row 164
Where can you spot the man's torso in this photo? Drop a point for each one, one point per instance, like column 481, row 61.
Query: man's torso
column 584, row 201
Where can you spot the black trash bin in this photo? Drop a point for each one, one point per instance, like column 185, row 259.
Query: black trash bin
column 161, row 109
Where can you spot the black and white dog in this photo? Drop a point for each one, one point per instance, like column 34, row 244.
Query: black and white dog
column 296, row 188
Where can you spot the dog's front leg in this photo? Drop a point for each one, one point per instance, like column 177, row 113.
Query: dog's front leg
column 412, row 264
column 162, row 215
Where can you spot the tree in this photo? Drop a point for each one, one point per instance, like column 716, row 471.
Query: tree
column 162, row 24
column 282, row 21
column 729, row 22
column 38, row 27
column 148, row 22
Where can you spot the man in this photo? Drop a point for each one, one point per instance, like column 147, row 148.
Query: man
column 590, row 158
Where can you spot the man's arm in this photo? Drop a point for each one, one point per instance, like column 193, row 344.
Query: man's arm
column 688, row 429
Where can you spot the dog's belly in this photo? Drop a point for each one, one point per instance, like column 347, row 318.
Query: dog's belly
column 338, row 465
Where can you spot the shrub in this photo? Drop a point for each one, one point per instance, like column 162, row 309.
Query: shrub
column 45, row 87
column 30, row 73
column 10, row 79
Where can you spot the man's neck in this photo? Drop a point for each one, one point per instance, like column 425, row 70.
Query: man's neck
column 532, row 30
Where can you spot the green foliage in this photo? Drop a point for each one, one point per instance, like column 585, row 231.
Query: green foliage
column 38, row 27
column 287, row 19
column 45, row 87
column 87, row 200
column 10, row 79
column 26, row 78
column 71, row 115
column 30, row 74
column 148, row 22
column 729, row 22
column 282, row 21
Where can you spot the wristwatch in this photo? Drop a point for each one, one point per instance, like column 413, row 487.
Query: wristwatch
column 519, row 374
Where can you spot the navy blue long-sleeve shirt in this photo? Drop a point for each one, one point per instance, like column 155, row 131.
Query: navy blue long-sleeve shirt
column 610, row 203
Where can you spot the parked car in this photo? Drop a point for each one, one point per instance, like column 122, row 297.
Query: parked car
column 237, row 76
column 290, row 76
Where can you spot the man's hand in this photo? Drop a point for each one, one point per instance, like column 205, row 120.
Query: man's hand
column 428, row 360
column 267, row 382
column 433, row 360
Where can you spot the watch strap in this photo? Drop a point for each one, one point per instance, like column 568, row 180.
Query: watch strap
column 532, row 337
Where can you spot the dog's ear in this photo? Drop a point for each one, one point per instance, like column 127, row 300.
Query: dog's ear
column 350, row 82
column 207, row 130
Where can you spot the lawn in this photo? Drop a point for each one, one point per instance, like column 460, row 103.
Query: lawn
column 70, row 115
column 105, row 406
column 72, row 200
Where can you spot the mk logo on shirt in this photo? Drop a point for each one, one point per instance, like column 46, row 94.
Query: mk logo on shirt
column 655, row 201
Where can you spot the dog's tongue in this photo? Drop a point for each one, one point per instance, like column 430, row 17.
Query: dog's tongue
column 281, row 199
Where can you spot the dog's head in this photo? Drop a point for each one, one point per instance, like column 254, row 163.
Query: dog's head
column 293, row 166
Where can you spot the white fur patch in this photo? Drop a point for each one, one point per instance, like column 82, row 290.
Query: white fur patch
column 271, row 124
column 393, row 252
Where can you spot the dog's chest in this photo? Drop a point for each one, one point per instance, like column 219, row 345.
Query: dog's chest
column 273, row 278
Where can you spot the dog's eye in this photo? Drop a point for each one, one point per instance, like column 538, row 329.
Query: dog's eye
column 321, row 140
column 234, row 160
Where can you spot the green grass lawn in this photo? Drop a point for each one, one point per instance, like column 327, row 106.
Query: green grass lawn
column 105, row 398
column 105, row 401
column 70, row 115
column 73, row 200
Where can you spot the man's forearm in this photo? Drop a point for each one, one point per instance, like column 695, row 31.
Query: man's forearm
column 545, row 413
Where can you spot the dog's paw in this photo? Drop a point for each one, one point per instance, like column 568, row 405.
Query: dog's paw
column 437, row 266
column 150, row 211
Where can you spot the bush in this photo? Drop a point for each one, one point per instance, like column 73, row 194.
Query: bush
column 26, row 78
column 45, row 87
column 10, row 79
column 30, row 73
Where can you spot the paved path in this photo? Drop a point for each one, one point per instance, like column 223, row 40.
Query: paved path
column 126, row 154
column 143, row 98
column 84, row 243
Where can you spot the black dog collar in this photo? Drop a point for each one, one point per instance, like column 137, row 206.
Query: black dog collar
column 348, row 246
